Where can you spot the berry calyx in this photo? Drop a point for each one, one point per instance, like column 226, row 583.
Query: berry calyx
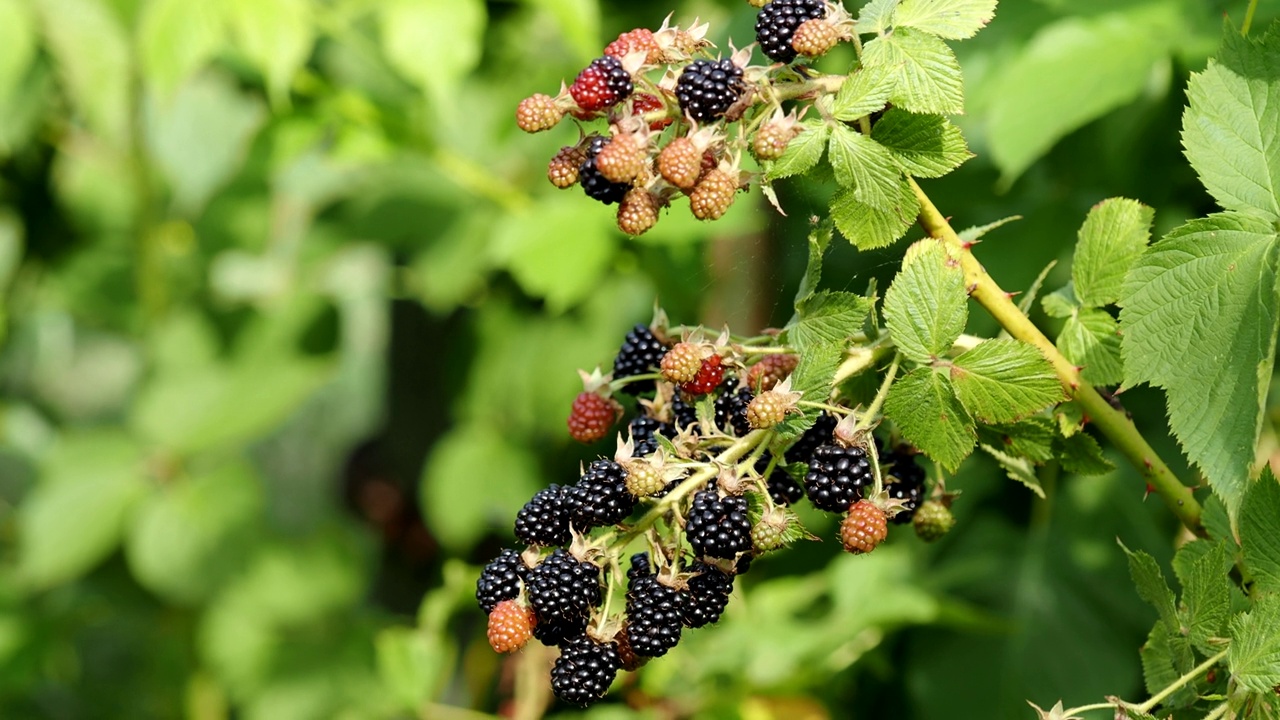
column 932, row 520
column 585, row 670
column 637, row 212
column 863, row 528
column 563, row 168
column 538, row 112
column 777, row 22
column 709, row 376
column 510, row 626
column 714, row 194
column 707, row 89
column 602, row 84
column 591, row 416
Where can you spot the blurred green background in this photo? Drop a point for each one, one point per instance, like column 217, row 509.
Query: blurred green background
column 289, row 325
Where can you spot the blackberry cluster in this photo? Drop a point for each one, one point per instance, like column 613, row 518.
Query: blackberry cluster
column 731, row 412
column 707, row 88
column 777, row 22
column 585, row 670
column 653, row 616
column 562, row 591
column 640, row 354
column 718, row 527
column 595, row 184
column 600, row 497
column 544, row 520
column 500, row 580
column 706, row 596
column 836, row 477
column 819, row 434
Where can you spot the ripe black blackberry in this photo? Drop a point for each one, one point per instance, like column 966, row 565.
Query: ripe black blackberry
column 706, row 595
column 643, row 428
column 820, row 433
column 906, row 482
column 777, row 22
column 836, row 477
column 783, row 488
column 641, row 353
column 562, row 591
column 731, row 412
column 600, row 496
column 653, row 616
column 707, row 88
column 639, row 566
column 686, row 415
column 544, row 520
column 584, row 671
column 594, row 184
column 500, row 580
column 718, row 527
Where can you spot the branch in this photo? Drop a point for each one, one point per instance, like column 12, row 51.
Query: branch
column 1113, row 423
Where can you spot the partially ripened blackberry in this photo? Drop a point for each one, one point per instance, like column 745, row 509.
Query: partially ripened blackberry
column 584, row 671
column 653, row 616
column 594, row 184
column 706, row 596
column 707, row 88
column 562, row 591
column 818, row 434
column 731, row 412
column 643, row 428
column 600, row 496
column 641, row 353
column 777, row 22
column 500, row 580
column 783, row 488
column 717, row 526
column 836, row 477
column 544, row 520
column 603, row 83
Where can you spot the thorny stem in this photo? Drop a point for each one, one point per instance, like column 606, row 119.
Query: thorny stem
column 1146, row 707
column 732, row 454
column 1111, row 422
column 1221, row 710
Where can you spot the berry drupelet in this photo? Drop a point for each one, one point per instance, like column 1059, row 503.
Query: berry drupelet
column 562, row 591
column 544, row 520
column 731, row 412
column 706, row 595
column 653, row 616
column 817, row 435
column 600, row 496
column 707, row 88
column 837, row 476
column 500, row 580
column 602, row 84
column 584, row 671
column 718, row 527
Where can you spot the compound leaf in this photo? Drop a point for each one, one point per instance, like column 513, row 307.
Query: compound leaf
column 803, row 152
column 876, row 16
column 1004, row 380
column 869, row 228
column 924, row 406
column 923, row 145
column 926, row 307
column 1206, row 593
column 1152, row 586
column 865, row 91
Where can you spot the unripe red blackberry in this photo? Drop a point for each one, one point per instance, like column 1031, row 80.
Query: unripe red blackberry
column 500, row 580
column 562, row 591
column 591, row 416
column 510, row 626
column 538, row 112
column 771, row 370
column 706, row 595
column 714, row 194
column 653, row 616
column 584, row 671
column 707, row 88
column 601, row 84
column 644, row 103
column 544, row 520
column 600, row 496
column 637, row 212
column 562, row 171
column 837, row 476
column 682, row 363
column 718, row 527
column 638, row 40
column 680, row 163
column 709, row 376
column 641, row 353
column 863, row 528
column 933, row 520
column 777, row 22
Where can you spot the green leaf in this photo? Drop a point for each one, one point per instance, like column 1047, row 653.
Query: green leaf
column 864, row 91
column 1031, row 438
column 819, row 240
column 1081, row 454
column 1042, row 93
column 412, row 664
column 1216, row 520
column 950, row 19
column 91, row 51
column 1061, row 303
column 1113, row 237
column 928, row 74
column 1254, row 656
column 1199, row 320
column 175, row 39
column 1165, row 658
column 453, row 30
column 200, row 137
column 1151, row 585
column 276, row 36
column 1017, row 468
column 1260, row 531
column 474, row 482
column 18, row 34
column 926, row 307
column 866, row 166
column 923, row 145
column 1004, row 380
column 826, row 320
column 876, row 16
column 1206, row 593
column 925, row 408
column 190, row 536
column 1091, row 341
column 1028, row 299
column 869, row 228
column 75, row 517
column 1228, row 128
column 803, row 152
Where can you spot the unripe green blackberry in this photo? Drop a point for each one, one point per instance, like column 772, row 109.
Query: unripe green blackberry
column 932, row 520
